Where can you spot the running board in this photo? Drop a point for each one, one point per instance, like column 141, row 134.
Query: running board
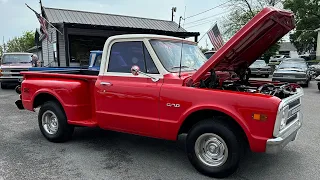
column 86, row 123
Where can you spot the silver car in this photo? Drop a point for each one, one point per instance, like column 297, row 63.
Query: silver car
column 260, row 67
column 292, row 70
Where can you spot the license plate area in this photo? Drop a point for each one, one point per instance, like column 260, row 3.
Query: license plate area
column 288, row 76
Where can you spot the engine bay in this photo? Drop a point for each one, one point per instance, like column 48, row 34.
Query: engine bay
column 240, row 82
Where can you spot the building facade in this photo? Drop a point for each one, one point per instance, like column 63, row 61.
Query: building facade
column 76, row 33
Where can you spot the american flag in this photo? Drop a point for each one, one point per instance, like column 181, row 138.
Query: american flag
column 215, row 37
column 42, row 22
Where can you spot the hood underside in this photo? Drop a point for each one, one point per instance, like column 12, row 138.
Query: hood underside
column 249, row 43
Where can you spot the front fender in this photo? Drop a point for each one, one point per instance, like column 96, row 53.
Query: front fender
column 235, row 116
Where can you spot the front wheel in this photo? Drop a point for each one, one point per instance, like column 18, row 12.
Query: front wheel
column 213, row 148
column 53, row 122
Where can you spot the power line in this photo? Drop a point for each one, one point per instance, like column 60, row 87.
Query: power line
column 207, row 17
column 207, row 10
column 199, row 24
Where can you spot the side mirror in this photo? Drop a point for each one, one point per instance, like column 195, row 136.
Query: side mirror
column 135, row 70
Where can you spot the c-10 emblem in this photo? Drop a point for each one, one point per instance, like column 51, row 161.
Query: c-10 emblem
column 173, row 105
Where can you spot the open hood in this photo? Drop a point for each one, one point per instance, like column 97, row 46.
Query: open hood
column 249, row 43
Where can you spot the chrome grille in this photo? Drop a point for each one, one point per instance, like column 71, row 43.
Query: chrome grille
column 14, row 72
column 294, row 108
column 294, row 103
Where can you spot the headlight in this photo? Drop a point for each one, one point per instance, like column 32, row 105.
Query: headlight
column 284, row 117
column 301, row 75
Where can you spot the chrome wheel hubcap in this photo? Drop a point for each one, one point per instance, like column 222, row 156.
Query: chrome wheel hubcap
column 50, row 122
column 211, row 150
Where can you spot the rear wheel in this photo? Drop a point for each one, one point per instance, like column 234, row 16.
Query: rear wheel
column 53, row 122
column 319, row 86
column 213, row 148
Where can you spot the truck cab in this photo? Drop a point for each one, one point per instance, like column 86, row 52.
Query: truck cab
column 10, row 67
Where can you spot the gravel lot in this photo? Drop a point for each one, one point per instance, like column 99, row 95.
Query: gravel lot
column 99, row 154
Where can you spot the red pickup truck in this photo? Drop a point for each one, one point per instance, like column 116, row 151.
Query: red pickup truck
column 162, row 87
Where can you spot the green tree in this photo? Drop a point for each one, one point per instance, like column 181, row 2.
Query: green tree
column 1, row 51
column 307, row 15
column 22, row 43
column 243, row 11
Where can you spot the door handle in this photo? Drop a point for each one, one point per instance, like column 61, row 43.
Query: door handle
column 106, row 83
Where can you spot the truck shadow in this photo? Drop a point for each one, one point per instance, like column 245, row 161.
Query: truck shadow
column 128, row 148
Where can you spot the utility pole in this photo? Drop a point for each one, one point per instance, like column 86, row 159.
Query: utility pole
column 173, row 10
column 206, row 44
column 4, row 45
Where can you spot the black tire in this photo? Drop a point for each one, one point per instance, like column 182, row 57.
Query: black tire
column 229, row 137
column 319, row 86
column 4, row 86
column 64, row 130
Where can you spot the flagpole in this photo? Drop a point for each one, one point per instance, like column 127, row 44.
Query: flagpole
column 52, row 26
column 207, row 31
column 44, row 19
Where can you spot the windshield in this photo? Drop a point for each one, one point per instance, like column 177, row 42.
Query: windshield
column 260, row 63
column 98, row 61
column 169, row 53
column 16, row 58
column 277, row 56
column 299, row 65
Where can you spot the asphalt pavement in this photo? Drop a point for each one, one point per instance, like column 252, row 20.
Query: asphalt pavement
column 100, row 154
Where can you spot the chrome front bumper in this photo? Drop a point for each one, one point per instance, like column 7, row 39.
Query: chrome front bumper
column 277, row 144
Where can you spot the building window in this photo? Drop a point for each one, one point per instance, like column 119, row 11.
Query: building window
column 80, row 47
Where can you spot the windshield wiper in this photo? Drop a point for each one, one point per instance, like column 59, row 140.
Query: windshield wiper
column 183, row 67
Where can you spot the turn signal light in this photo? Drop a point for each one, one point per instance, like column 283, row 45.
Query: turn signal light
column 0, row 72
column 259, row 117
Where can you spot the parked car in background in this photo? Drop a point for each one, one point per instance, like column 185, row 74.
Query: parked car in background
column 11, row 65
column 275, row 60
column 293, row 70
column 260, row 67
column 208, row 54
column 315, row 68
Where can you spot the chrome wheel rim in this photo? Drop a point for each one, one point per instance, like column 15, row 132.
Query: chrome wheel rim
column 50, row 122
column 211, row 150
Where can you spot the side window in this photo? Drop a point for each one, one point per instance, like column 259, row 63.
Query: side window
column 98, row 60
column 150, row 66
column 92, row 57
column 124, row 55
